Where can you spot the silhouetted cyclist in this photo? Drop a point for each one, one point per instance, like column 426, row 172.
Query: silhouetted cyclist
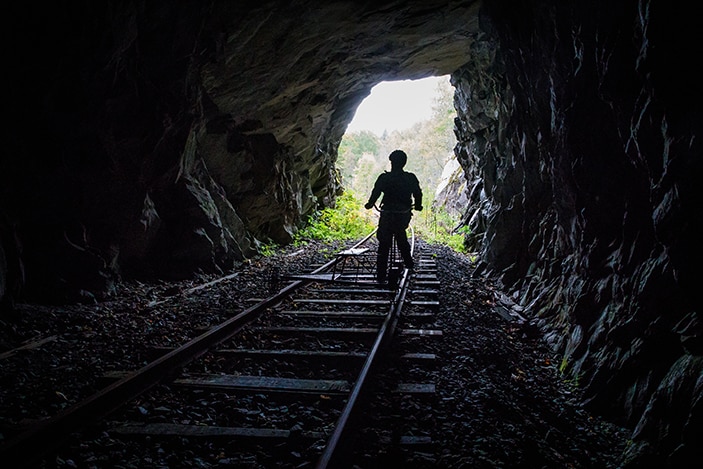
column 401, row 191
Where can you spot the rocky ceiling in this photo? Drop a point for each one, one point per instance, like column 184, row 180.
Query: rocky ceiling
column 162, row 138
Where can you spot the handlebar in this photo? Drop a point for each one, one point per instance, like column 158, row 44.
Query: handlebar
column 391, row 211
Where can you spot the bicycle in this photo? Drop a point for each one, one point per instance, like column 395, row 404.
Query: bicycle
column 395, row 264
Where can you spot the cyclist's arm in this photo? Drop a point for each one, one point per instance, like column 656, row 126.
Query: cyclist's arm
column 375, row 193
column 417, row 195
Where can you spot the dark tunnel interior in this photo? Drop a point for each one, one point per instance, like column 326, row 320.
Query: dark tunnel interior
column 165, row 138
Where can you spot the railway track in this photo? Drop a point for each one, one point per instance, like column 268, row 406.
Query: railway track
column 311, row 376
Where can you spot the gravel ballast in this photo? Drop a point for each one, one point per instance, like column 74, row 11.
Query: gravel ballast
column 500, row 399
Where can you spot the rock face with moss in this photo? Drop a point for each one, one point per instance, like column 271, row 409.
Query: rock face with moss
column 165, row 138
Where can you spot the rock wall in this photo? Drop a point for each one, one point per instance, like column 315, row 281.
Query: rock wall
column 580, row 137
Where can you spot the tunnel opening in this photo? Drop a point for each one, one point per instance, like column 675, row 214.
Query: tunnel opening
column 416, row 116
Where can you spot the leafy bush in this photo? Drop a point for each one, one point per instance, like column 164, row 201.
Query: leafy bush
column 346, row 221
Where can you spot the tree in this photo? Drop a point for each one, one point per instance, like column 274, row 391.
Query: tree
column 351, row 150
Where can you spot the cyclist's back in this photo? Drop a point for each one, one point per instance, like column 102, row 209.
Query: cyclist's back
column 398, row 188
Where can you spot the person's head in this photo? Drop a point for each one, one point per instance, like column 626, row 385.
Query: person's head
column 398, row 159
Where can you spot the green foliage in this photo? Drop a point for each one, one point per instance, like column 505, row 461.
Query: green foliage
column 356, row 159
column 343, row 222
column 359, row 143
column 562, row 366
column 267, row 250
column 575, row 381
column 348, row 220
column 438, row 226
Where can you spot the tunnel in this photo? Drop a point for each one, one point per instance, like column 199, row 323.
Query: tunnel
column 159, row 139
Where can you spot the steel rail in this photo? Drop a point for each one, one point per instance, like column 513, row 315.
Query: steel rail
column 49, row 434
column 339, row 445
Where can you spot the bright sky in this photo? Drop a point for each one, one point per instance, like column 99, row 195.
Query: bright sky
column 395, row 105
